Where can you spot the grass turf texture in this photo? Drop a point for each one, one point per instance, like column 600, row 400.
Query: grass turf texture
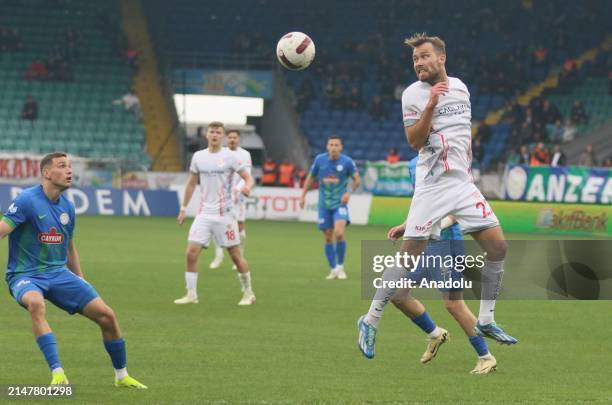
column 298, row 343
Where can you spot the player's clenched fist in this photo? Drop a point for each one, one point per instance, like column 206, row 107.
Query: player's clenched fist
column 181, row 216
column 438, row 89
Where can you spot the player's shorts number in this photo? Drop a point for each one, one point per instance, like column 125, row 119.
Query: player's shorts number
column 342, row 211
column 483, row 207
column 231, row 235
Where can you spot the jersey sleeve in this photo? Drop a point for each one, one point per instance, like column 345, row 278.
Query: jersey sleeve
column 193, row 168
column 239, row 164
column 351, row 167
column 18, row 212
column 410, row 110
column 248, row 161
column 314, row 169
column 72, row 221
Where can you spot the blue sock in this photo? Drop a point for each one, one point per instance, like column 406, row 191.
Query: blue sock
column 48, row 346
column 330, row 253
column 116, row 351
column 341, row 251
column 480, row 345
column 425, row 322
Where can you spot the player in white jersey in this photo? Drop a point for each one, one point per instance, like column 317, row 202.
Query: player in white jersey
column 437, row 121
column 215, row 167
column 238, row 200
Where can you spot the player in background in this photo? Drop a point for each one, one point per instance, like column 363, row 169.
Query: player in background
column 43, row 263
column 333, row 170
column 238, row 200
column 215, row 167
column 450, row 244
column 437, row 120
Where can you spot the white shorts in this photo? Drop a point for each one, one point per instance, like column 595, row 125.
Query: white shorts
column 432, row 204
column 223, row 228
column 239, row 211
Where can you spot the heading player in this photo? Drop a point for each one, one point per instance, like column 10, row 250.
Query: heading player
column 450, row 245
column 215, row 167
column 238, row 200
column 333, row 170
column 437, row 120
column 44, row 264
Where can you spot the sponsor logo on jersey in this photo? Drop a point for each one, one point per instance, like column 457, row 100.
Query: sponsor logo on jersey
column 64, row 219
column 331, row 179
column 423, row 228
column 22, row 283
column 454, row 109
column 51, row 238
column 221, row 163
column 339, row 168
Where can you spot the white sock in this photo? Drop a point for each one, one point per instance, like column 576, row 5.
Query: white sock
column 435, row 333
column 191, row 280
column 242, row 241
column 218, row 251
column 486, row 356
column 339, row 267
column 384, row 295
column 57, row 370
column 245, row 281
column 492, row 275
column 120, row 373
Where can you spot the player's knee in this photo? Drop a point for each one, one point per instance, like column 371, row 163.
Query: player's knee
column 192, row 255
column 107, row 317
column 339, row 235
column 497, row 250
column 36, row 307
column 453, row 306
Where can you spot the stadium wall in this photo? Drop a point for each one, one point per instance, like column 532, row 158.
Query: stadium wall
column 522, row 217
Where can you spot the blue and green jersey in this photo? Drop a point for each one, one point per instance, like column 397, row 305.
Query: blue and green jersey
column 42, row 231
column 333, row 177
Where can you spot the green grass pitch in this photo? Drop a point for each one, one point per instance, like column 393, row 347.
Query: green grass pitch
column 298, row 343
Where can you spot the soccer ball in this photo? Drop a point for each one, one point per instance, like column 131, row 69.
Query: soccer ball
column 295, row 51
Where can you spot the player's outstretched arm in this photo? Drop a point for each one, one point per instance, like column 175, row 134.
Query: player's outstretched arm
column 5, row 229
column 307, row 186
column 74, row 264
column 192, row 182
column 418, row 133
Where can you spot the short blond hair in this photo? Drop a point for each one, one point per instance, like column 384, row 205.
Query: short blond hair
column 216, row 124
column 421, row 38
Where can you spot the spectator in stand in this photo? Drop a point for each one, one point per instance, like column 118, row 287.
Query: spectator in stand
column 588, row 157
column 30, row 109
column 556, row 132
column 37, row 71
column 270, row 173
column 131, row 56
column 550, row 112
column 578, row 114
column 558, row 157
column 476, row 150
column 569, row 131
column 377, row 109
column 286, row 173
column 524, row 157
column 355, row 102
column 540, row 56
column 393, row 156
column 539, row 156
column 300, row 178
column 131, row 103
column 607, row 162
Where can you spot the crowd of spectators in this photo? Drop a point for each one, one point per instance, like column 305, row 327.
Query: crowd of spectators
column 59, row 64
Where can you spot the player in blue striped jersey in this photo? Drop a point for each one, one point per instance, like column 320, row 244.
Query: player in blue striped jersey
column 44, row 264
column 333, row 170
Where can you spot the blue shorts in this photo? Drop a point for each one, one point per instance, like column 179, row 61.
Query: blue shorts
column 63, row 288
column 328, row 217
column 433, row 271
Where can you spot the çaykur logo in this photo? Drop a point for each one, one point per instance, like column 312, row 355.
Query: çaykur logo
column 51, row 238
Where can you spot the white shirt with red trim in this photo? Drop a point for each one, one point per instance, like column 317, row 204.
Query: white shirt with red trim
column 244, row 156
column 217, row 171
column 447, row 154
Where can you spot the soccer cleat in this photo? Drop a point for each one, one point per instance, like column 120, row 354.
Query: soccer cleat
column 247, row 299
column 59, row 379
column 187, row 299
column 333, row 274
column 341, row 273
column 485, row 365
column 367, row 337
column 495, row 332
column 217, row 262
column 433, row 344
column 130, row 382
